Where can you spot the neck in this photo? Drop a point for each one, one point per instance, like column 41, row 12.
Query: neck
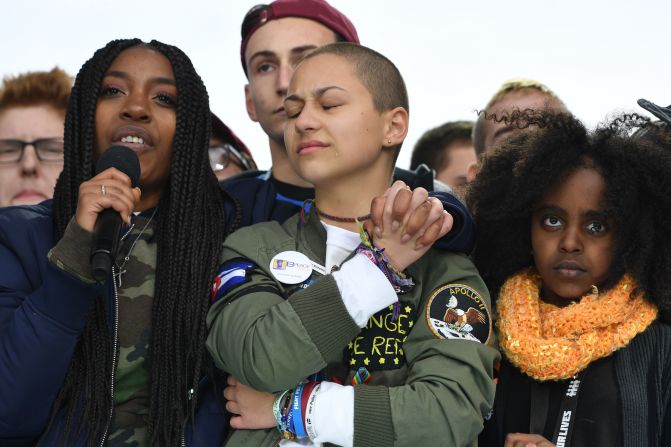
column 282, row 169
column 148, row 200
column 348, row 199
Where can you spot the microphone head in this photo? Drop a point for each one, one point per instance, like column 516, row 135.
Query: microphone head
column 123, row 159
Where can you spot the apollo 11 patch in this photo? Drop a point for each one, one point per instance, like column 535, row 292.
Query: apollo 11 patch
column 457, row 311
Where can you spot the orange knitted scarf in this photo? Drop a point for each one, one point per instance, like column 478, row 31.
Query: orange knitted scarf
column 551, row 343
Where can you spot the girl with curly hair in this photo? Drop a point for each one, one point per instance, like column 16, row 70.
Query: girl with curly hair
column 574, row 240
column 119, row 363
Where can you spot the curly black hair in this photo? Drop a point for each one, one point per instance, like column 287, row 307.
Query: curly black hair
column 521, row 171
column 191, row 228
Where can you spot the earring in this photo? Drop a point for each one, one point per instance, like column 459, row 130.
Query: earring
column 388, row 141
column 595, row 290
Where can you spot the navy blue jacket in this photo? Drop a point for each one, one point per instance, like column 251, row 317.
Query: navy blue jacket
column 43, row 311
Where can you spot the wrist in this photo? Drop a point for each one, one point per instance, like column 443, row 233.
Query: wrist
column 401, row 282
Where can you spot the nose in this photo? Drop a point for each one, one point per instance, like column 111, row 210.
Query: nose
column 136, row 108
column 29, row 161
column 571, row 241
column 283, row 77
column 307, row 120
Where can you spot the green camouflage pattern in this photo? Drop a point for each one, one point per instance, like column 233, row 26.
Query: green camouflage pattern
column 136, row 293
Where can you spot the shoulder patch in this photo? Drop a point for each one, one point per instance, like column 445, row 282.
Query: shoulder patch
column 457, row 311
column 229, row 275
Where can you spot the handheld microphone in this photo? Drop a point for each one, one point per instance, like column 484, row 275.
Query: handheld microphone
column 107, row 229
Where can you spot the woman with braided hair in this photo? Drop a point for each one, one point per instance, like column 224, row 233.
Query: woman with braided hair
column 574, row 242
column 120, row 362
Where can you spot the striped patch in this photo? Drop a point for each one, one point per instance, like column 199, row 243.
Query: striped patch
column 230, row 275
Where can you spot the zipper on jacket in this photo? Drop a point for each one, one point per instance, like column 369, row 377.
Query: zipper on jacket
column 115, row 343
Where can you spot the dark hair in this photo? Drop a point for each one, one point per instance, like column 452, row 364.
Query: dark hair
column 431, row 149
column 638, row 197
column 191, row 228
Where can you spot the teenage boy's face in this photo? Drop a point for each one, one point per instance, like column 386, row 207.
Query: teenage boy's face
column 271, row 56
column 572, row 237
column 333, row 129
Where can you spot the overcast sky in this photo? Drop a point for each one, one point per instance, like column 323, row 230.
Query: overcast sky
column 598, row 56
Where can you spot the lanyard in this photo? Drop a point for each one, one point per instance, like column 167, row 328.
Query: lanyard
column 567, row 410
column 566, row 418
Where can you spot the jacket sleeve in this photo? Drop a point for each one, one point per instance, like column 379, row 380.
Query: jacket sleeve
column 42, row 314
column 461, row 238
column 449, row 388
column 269, row 342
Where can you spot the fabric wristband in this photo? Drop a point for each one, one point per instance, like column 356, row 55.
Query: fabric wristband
column 309, row 410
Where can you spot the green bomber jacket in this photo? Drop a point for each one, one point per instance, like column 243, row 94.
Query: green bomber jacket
column 431, row 367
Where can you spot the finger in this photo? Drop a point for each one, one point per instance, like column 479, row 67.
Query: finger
column 113, row 173
column 376, row 212
column 233, row 407
column 431, row 234
column 401, row 205
column 435, row 213
column 439, row 228
column 237, row 422
column 389, row 205
column 417, row 221
column 419, row 196
column 118, row 201
column 232, row 381
column 230, row 393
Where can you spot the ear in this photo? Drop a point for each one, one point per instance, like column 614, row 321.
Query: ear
column 396, row 128
column 472, row 172
column 249, row 103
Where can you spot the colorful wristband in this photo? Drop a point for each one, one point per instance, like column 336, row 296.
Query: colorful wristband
column 297, row 417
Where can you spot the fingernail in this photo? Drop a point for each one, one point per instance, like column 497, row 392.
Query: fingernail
column 419, row 246
column 395, row 225
column 405, row 238
column 378, row 231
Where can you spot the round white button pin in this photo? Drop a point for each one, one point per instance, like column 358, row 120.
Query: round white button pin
column 291, row 267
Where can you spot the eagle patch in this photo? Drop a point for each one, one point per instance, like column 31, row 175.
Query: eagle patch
column 457, row 311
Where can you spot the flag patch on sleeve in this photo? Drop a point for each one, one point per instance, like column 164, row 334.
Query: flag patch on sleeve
column 230, row 275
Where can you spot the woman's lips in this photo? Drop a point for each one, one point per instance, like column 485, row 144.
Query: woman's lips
column 311, row 146
column 569, row 269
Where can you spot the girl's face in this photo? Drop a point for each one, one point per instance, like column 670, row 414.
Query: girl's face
column 137, row 108
column 333, row 129
column 572, row 237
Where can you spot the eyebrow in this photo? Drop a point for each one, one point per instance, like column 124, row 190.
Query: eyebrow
column 124, row 75
column 318, row 93
column 272, row 54
column 591, row 214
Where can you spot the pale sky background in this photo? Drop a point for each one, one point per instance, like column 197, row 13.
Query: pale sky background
column 598, row 56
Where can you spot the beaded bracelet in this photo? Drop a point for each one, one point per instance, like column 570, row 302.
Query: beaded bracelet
column 401, row 282
column 277, row 410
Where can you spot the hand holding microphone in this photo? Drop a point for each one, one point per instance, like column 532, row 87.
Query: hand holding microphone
column 107, row 200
